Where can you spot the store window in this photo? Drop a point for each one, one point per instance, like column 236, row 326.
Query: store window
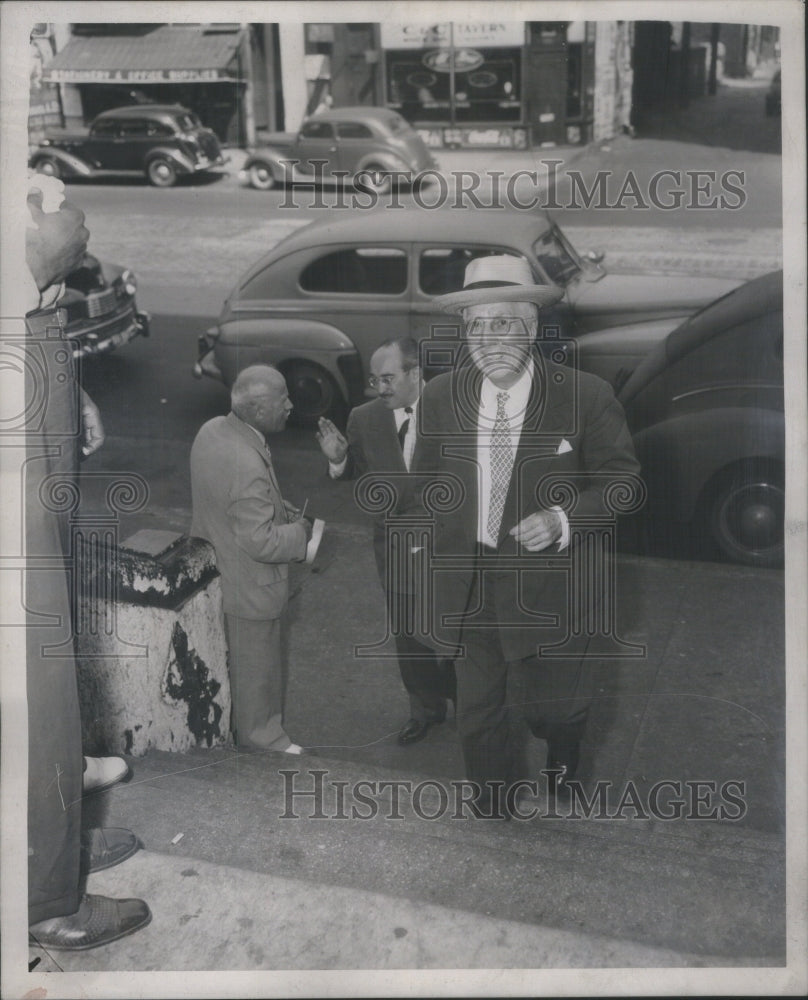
column 362, row 271
column 487, row 85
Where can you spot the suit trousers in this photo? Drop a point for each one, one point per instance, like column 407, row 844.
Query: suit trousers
column 55, row 761
column 428, row 679
column 554, row 693
column 258, row 677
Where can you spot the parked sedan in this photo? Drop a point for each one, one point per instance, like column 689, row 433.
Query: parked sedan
column 162, row 141
column 99, row 308
column 370, row 146
column 705, row 408
column 321, row 301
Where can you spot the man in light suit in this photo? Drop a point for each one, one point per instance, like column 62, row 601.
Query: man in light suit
column 238, row 508
column 503, row 428
column 380, row 439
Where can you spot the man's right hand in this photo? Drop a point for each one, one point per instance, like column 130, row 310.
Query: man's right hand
column 56, row 243
column 332, row 443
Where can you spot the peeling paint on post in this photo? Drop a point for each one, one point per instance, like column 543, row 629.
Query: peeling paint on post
column 159, row 678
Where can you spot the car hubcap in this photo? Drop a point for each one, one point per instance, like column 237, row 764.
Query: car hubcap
column 47, row 168
column 162, row 171
column 751, row 517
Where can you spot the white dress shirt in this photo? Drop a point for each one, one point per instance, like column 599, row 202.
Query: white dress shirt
column 515, row 409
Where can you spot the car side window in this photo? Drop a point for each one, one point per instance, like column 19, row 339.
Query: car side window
column 105, row 129
column 442, row 269
column 160, row 129
column 358, row 271
column 317, row 130
column 353, row 130
column 134, row 129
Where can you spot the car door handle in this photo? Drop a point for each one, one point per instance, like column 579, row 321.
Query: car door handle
column 332, row 149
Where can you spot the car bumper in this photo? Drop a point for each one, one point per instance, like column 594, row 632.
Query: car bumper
column 200, row 166
column 109, row 334
column 206, row 362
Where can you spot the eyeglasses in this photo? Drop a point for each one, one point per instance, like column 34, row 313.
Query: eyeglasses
column 386, row 380
column 497, row 326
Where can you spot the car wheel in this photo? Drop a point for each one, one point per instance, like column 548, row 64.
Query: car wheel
column 162, row 173
column 746, row 514
column 313, row 393
column 374, row 177
column 47, row 165
column 261, row 177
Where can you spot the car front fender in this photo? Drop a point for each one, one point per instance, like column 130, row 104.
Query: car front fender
column 281, row 163
column 71, row 164
column 243, row 341
column 680, row 456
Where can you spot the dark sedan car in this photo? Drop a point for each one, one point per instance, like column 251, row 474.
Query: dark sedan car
column 162, row 141
column 705, row 408
column 323, row 299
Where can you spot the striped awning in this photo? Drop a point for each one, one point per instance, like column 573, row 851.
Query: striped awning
column 165, row 54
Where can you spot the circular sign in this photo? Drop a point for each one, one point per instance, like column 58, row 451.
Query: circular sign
column 421, row 78
column 482, row 78
column 465, row 60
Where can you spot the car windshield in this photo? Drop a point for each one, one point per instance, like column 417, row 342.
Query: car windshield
column 557, row 256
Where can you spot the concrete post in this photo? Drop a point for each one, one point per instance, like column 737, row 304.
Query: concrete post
column 151, row 654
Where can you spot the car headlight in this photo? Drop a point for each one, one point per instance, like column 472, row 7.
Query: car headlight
column 129, row 281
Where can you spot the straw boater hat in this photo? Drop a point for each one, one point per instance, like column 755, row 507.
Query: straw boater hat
column 499, row 278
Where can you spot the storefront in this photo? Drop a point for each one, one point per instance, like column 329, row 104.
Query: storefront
column 198, row 66
column 458, row 83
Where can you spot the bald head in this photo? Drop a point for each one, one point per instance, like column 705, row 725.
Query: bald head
column 260, row 398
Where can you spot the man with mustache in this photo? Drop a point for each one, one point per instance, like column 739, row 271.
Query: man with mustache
column 381, row 439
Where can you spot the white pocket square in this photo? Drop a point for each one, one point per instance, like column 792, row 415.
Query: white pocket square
column 564, row 447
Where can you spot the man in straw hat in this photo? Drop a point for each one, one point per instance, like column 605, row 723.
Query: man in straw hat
column 530, row 448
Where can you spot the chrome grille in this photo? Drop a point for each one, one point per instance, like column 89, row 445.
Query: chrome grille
column 99, row 303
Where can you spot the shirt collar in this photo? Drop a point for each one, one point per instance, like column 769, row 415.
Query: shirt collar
column 518, row 394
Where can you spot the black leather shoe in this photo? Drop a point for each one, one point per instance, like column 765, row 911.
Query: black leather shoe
column 98, row 920
column 105, row 847
column 562, row 763
column 414, row 730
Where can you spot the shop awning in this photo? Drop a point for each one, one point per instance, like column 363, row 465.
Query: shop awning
column 167, row 54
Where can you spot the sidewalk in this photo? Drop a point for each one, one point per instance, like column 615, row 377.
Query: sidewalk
column 704, row 704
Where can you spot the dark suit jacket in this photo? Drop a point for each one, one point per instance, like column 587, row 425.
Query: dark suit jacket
column 373, row 447
column 565, row 406
column 238, row 508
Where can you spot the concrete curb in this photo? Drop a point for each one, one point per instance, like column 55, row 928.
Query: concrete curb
column 270, row 922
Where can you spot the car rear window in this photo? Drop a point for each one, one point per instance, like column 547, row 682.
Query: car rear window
column 358, row 271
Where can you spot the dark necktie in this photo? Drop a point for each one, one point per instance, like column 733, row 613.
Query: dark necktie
column 402, row 431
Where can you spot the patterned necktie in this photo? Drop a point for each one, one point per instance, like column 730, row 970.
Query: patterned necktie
column 501, row 465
